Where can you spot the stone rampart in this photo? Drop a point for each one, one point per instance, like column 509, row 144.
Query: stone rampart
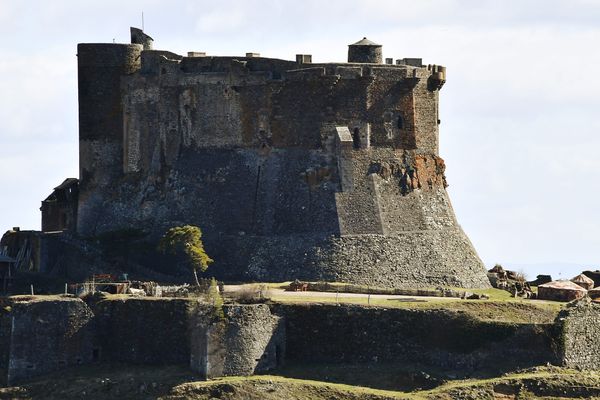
column 248, row 340
column 41, row 336
column 321, row 333
column 38, row 335
column 578, row 335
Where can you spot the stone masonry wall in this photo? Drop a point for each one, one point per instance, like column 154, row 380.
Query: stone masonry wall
column 39, row 337
column 42, row 335
column 144, row 331
column 249, row 340
column 578, row 337
column 246, row 149
column 320, row 333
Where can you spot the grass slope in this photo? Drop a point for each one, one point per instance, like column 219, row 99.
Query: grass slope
column 177, row 383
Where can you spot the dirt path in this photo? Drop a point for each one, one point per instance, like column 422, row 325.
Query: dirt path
column 310, row 295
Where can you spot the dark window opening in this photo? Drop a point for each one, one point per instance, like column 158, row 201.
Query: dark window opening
column 356, row 138
column 400, row 123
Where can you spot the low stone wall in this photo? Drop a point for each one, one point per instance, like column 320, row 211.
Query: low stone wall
column 40, row 335
column 248, row 340
column 144, row 331
column 37, row 337
column 322, row 333
column 578, row 335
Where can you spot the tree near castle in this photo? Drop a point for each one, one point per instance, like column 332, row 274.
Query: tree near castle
column 187, row 240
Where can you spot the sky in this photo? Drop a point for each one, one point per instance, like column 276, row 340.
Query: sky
column 519, row 110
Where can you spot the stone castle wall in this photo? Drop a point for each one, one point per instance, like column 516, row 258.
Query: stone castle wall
column 263, row 153
column 249, row 339
column 38, row 336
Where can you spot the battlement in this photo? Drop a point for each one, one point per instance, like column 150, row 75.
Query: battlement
column 157, row 62
column 364, row 60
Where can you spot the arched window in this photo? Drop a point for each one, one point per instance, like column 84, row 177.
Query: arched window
column 356, row 138
column 400, row 122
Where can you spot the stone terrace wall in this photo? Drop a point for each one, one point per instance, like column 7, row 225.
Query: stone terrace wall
column 578, row 337
column 144, row 331
column 38, row 337
column 353, row 334
column 247, row 341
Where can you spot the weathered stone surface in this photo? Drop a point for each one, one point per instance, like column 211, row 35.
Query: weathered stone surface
column 320, row 333
column 250, row 148
column 249, row 340
column 38, row 337
column 144, row 331
column 578, row 338
column 42, row 335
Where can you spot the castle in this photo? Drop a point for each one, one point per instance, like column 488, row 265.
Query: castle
column 292, row 169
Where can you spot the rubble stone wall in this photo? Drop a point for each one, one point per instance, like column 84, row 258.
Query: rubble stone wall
column 38, row 337
column 578, row 337
column 246, row 148
column 320, row 333
column 144, row 331
column 248, row 340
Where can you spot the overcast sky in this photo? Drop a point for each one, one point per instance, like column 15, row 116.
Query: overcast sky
column 519, row 132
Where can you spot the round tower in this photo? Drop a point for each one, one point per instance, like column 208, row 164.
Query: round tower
column 139, row 37
column 100, row 69
column 365, row 51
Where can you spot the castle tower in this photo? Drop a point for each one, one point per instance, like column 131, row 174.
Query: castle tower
column 139, row 37
column 316, row 171
column 101, row 67
column 365, row 51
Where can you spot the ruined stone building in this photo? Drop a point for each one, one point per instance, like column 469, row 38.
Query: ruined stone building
column 292, row 169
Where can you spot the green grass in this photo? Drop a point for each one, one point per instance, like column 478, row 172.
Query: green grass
column 557, row 379
column 300, row 383
column 104, row 381
column 498, row 308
